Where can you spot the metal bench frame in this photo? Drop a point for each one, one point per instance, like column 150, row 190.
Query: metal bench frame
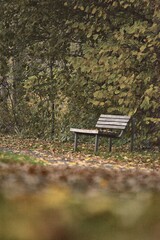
column 105, row 127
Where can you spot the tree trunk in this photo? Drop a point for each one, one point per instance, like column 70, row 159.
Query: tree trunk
column 52, row 98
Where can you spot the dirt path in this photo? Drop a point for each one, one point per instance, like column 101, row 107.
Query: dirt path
column 80, row 159
column 61, row 154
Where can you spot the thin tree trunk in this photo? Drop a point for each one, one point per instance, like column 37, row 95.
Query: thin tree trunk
column 52, row 103
column 17, row 91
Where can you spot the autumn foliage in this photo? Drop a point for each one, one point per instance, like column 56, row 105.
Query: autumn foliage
column 64, row 59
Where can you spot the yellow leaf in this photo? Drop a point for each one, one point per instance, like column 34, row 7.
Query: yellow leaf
column 94, row 10
column 95, row 36
column 142, row 48
column 82, row 8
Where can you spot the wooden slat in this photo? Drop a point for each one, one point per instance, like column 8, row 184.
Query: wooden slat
column 114, row 116
column 85, row 131
column 113, row 120
column 110, row 126
column 112, row 123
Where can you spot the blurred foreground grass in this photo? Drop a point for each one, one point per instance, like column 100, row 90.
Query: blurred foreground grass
column 58, row 213
column 45, row 203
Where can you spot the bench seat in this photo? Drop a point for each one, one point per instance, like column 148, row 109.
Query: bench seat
column 84, row 131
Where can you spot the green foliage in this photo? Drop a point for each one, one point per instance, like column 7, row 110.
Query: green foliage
column 67, row 61
column 120, row 57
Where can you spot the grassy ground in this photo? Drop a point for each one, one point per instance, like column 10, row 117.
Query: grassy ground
column 48, row 192
column 62, row 154
column 12, row 158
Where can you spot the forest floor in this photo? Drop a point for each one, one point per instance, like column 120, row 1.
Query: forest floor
column 61, row 154
column 49, row 192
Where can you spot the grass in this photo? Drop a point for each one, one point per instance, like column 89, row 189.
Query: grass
column 8, row 157
column 36, row 210
column 59, row 214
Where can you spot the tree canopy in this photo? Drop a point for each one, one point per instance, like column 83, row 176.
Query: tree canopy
column 62, row 57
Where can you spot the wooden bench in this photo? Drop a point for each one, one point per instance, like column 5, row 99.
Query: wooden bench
column 110, row 126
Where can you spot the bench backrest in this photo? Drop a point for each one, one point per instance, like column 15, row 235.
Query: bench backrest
column 112, row 122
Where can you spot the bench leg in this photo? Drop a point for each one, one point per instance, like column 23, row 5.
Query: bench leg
column 75, row 141
column 96, row 143
column 110, row 144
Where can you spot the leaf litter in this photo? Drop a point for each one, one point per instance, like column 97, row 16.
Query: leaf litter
column 78, row 195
